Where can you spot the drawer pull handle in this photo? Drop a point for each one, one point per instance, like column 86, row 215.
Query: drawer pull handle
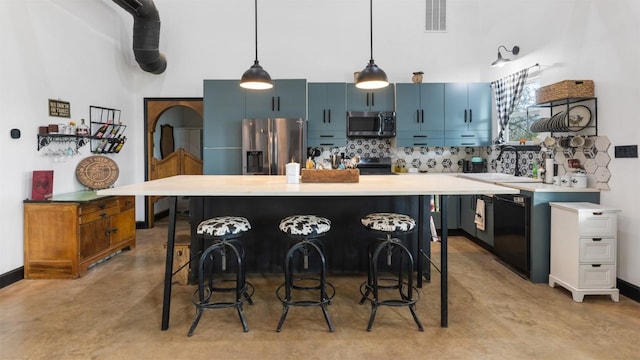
column 102, row 206
column 103, row 215
column 109, row 231
column 597, row 213
column 596, row 265
column 597, row 239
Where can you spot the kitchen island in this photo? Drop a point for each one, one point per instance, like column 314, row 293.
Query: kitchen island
column 249, row 187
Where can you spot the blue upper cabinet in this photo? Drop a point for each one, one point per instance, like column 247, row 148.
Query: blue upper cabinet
column 327, row 120
column 224, row 109
column 467, row 114
column 327, row 107
column 370, row 100
column 467, row 106
column 287, row 99
column 420, row 114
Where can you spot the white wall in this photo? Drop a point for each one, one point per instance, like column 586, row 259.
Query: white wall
column 79, row 51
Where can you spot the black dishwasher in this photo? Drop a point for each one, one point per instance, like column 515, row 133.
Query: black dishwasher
column 512, row 231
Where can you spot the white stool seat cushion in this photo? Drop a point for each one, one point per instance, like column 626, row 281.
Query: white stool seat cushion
column 388, row 222
column 223, row 225
column 305, row 225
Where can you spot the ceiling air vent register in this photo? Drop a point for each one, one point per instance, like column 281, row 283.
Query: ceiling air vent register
column 436, row 15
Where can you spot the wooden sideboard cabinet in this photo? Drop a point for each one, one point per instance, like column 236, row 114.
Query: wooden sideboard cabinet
column 66, row 235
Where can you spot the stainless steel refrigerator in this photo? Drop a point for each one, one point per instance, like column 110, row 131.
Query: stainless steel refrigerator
column 269, row 144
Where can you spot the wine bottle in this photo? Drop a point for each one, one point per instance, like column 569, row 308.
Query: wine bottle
column 101, row 131
column 113, row 143
column 114, row 131
column 120, row 144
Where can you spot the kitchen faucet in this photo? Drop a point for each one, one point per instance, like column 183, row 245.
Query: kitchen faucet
column 516, row 171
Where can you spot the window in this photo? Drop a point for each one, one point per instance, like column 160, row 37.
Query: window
column 519, row 122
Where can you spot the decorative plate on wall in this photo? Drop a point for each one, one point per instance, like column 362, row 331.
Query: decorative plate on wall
column 97, row 172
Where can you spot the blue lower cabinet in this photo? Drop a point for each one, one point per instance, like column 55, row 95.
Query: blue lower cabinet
column 453, row 214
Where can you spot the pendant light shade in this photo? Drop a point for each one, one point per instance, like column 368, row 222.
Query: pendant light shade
column 372, row 77
column 256, row 78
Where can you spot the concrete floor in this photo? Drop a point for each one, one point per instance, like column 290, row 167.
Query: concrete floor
column 114, row 313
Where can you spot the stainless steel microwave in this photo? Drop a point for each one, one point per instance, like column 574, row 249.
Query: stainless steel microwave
column 368, row 124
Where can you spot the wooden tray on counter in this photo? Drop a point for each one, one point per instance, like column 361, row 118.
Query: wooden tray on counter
column 330, row 176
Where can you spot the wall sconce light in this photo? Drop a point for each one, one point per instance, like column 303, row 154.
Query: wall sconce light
column 501, row 61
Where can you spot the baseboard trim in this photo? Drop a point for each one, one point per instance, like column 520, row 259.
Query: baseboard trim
column 629, row 290
column 11, row 277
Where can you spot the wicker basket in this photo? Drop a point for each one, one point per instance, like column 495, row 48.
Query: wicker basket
column 330, row 176
column 565, row 90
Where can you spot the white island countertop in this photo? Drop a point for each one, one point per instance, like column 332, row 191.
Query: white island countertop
column 261, row 185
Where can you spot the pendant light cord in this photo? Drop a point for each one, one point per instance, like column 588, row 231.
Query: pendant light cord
column 255, row 7
column 371, row 27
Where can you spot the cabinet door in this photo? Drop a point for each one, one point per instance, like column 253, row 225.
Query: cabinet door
column 291, row 98
column 487, row 235
column 408, row 110
column 370, row 100
column 222, row 161
column 468, row 214
column 326, row 138
column 327, row 107
column 94, row 237
column 287, row 99
column 260, row 103
column 453, row 213
column 123, row 226
column 479, row 106
column 432, row 107
column 224, row 109
column 456, row 108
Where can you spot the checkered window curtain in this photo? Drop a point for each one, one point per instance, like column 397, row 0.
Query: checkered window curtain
column 507, row 93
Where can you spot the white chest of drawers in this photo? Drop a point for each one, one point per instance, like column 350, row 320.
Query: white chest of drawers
column 583, row 249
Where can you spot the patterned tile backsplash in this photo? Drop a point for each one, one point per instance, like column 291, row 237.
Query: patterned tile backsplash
column 592, row 155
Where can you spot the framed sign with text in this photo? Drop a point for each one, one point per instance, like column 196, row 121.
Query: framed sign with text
column 59, row 108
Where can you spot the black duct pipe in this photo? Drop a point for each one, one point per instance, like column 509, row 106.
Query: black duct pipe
column 146, row 34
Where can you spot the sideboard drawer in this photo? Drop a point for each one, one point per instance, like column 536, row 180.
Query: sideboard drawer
column 598, row 250
column 597, row 276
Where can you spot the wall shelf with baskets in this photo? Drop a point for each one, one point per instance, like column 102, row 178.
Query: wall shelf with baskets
column 570, row 115
column 106, row 129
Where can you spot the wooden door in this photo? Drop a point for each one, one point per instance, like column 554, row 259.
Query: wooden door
column 175, row 164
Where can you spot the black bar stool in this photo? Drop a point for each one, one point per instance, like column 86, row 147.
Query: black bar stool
column 310, row 275
column 397, row 276
column 225, row 251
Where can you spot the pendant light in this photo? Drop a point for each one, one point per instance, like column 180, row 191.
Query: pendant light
column 372, row 77
column 256, row 78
